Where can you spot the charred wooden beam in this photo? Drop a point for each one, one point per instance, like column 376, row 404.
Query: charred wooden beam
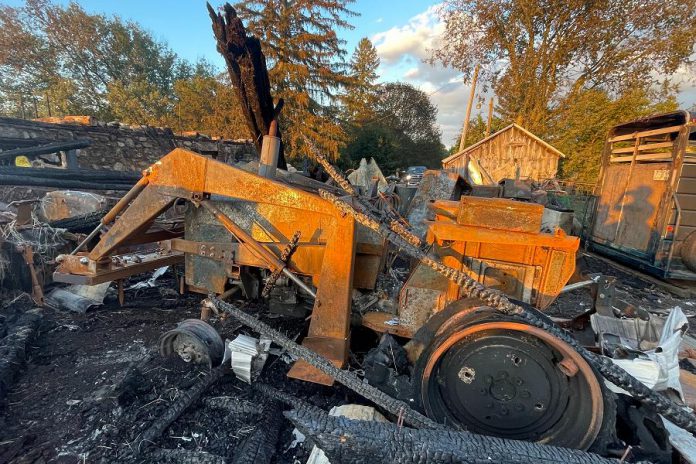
column 176, row 409
column 246, row 65
column 14, row 347
column 260, row 446
column 44, row 149
column 346, row 441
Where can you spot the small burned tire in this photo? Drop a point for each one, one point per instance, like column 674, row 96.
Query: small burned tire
column 494, row 375
column 687, row 252
column 194, row 341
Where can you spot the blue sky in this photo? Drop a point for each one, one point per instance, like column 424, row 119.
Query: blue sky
column 403, row 32
column 185, row 25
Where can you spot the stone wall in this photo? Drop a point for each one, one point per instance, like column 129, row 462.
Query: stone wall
column 122, row 147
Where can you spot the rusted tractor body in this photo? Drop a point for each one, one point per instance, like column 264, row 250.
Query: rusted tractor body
column 249, row 230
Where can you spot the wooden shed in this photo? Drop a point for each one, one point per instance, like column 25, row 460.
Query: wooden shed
column 509, row 151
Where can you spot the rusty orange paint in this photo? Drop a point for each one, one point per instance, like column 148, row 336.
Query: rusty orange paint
column 328, row 255
column 505, row 236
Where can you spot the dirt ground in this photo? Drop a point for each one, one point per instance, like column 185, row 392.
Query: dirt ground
column 78, row 399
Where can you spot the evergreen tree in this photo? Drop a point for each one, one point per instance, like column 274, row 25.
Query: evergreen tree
column 361, row 96
column 306, row 64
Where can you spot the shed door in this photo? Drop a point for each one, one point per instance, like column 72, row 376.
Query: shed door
column 631, row 217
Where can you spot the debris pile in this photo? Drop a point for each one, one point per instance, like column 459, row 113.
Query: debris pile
column 445, row 324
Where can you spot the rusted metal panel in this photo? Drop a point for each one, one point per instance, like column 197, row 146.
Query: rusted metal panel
column 330, row 324
column 500, row 214
column 519, row 261
column 606, row 216
column 639, row 208
column 77, row 269
column 423, row 294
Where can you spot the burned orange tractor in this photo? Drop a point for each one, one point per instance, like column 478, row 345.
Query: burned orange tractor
column 473, row 367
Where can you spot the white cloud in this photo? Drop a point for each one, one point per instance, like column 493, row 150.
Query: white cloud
column 403, row 51
column 686, row 80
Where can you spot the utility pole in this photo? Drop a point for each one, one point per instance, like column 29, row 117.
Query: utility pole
column 472, row 94
column 490, row 117
column 48, row 105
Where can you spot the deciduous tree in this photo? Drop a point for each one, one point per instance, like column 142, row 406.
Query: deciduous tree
column 403, row 131
column 536, row 52
column 113, row 68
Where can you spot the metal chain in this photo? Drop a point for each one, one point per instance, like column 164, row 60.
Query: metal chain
column 284, row 257
column 338, row 177
column 500, row 302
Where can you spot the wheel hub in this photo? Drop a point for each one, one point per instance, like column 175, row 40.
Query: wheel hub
column 514, row 384
column 511, row 380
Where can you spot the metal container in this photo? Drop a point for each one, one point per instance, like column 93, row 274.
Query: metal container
column 645, row 214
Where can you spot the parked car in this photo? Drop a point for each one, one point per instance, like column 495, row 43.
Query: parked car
column 413, row 175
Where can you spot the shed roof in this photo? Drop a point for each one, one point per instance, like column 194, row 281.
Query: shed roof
column 492, row 136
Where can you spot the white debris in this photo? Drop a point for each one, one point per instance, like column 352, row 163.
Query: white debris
column 78, row 298
column 247, row 356
column 351, row 411
column 297, row 439
column 658, row 368
column 368, row 174
column 152, row 281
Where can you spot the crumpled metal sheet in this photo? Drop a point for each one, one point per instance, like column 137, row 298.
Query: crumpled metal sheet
column 436, row 185
column 63, row 204
column 78, row 298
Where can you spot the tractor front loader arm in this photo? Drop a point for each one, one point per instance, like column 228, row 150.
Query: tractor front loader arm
column 327, row 255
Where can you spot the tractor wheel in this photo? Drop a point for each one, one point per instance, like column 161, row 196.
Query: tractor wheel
column 495, row 375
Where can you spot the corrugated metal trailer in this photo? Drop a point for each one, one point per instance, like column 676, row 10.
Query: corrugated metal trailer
column 646, row 208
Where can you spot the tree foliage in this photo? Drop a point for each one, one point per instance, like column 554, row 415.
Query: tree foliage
column 306, row 63
column 477, row 131
column 208, row 104
column 403, row 131
column 569, row 70
column 581, row 122
column 536, row 52
column 59, row 60
column 104, row 66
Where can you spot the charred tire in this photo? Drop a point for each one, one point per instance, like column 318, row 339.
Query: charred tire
column 495, row 375
column 194, row 341
column 687, row 252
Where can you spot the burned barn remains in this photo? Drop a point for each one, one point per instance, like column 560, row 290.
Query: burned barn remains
column 247, row 312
